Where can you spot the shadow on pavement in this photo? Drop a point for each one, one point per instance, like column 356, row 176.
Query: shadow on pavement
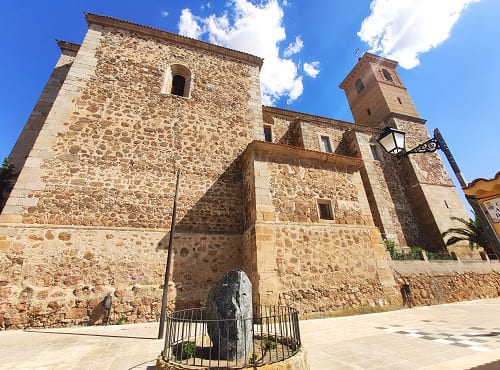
column 495, row 365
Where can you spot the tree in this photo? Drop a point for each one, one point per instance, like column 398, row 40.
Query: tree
column 472, row 232
column 6, row 174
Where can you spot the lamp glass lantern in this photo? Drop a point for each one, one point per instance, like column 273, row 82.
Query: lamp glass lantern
column 393, row 141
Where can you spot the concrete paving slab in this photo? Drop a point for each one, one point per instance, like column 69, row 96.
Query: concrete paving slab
column 451, row 336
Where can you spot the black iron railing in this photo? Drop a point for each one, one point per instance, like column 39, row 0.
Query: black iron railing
column 274, row 336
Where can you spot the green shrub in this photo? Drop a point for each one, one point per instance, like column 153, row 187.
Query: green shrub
column 414, row 254
column 121, row 320
column 268, row 344
column 253, row 359
column 188, row 350
column 390, row 246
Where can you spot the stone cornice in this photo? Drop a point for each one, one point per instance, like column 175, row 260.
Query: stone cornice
column 313, row 118
column 372, row 58
column 164, row 35
column 405, row 117
column 65, row 45
column 294, row 152
column 393, row 85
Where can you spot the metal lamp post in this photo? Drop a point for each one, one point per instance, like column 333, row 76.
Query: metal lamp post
column 393, row 141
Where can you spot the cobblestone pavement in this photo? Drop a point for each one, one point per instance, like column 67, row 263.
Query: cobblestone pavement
column 450, row 336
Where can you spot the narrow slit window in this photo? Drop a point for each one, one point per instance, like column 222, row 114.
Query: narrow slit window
column 375, row 155
column 268, row 134
column 326, row 146
column 400, row 102
column 359, row 85
column 178, row 84
column 369, row 112
column 325, row 210
column 446, row 204
column 387, row 74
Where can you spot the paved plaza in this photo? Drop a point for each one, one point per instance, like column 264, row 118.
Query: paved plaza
column 451, row 336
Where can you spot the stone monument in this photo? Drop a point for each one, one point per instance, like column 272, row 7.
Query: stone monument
column 230, row 303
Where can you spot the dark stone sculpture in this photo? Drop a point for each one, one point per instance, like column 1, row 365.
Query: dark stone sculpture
column 230, row 303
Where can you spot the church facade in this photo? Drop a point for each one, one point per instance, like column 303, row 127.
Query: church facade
column 301, row 203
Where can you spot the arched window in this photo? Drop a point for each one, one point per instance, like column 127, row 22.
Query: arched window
column 359, row 85
column 177, row 81
column 387, row 74
column 178, row 85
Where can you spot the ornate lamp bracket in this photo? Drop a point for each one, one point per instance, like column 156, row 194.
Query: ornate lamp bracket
column 428, row 147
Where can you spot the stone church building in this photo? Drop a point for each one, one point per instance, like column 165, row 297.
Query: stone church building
column 301, row 203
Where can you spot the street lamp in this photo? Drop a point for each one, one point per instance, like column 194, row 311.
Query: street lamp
column 393, row 141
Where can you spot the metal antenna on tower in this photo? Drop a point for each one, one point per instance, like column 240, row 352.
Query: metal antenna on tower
column 357, row 53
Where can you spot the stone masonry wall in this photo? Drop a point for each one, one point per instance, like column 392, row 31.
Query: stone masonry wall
column 386, row 191
column 312, row 264
column 116, row 156
column 326, row 268
column 429, row 167
column 435, row 282
column 430, row 190
column 336, row 135
column 323, row 265
column 95, row 197
column 281, row 129
column 408, row 230
column 293, row 204
column 394, row 191
column 60, row 276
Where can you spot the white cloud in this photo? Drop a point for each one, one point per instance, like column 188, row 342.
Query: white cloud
column 312, row 69
column 404, row 29
column 296, row 90
column 294, row 48
column 188, row 25
column 256, row 29
column 164, row 13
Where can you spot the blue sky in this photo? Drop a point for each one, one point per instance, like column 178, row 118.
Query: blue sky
column 449, row 48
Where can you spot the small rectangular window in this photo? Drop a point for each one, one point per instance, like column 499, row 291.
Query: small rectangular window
column 373, row 147
column 326, row 146
column 268, row 135
column 325, row 209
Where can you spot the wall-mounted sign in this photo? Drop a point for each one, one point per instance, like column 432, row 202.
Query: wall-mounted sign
column 493, row 208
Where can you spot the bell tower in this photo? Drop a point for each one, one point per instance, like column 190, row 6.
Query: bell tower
column 374, row 91
column 421, row 199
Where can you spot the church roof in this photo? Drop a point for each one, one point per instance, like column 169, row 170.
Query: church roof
column 315, row 118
